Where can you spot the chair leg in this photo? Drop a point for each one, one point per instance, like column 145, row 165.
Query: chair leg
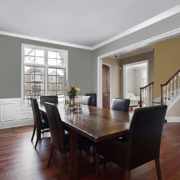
column 127, row 175
column 97, row 164
column 158, row 169
column 36, row 142
column 34, row 130
column 62, row 166
column 50, row 156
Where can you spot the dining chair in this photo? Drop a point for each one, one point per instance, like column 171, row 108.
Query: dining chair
column 40, row 124
column 120, row 105
column 86, row 100
column 50, row 99
column 142, row 145
column 59, row 139
column 93, row 99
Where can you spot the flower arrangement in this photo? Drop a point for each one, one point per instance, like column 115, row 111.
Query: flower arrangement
column 72, row 92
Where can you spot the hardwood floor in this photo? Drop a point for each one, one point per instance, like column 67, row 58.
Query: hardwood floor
column 20, row 161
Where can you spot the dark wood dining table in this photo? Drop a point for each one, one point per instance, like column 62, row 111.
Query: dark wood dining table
column 93, row 123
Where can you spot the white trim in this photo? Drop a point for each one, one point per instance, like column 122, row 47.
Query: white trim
column 45, row 40
column 142, row 43
column 46, row 66
column 103, row 63
column 155, row 19
column 99, row 82
column 173, row 119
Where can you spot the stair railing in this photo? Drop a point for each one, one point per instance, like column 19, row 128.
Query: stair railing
column 146, row 94
column 171, row 88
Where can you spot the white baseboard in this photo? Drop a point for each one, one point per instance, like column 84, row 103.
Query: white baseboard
column 11, row 124
column 173, row 119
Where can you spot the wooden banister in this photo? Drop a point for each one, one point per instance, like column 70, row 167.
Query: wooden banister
column 169, row 89
column 143, row 88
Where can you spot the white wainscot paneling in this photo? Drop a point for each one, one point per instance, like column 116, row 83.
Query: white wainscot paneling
column 13, row 113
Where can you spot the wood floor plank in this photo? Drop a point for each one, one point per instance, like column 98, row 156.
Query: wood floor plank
column 19, row 160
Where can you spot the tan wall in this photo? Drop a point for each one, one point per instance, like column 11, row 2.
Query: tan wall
column 146, row 56
column 166, row 62
column 114, row 78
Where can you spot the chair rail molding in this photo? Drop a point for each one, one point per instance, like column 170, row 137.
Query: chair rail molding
column 13, row 113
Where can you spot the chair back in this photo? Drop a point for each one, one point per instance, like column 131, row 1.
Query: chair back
column 56, row 127
column 36, row 113
column 120, row 105
column 86, row 100
column 93, row 99
column 50, row 99
column 145, row 135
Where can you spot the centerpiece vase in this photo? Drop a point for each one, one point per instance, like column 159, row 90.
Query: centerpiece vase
column 72, row 102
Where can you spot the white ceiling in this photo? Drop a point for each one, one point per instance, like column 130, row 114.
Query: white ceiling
column 83, row 22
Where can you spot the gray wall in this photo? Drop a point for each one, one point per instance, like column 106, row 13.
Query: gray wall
column 158, row 28
column 82, row 63
column 80, row 66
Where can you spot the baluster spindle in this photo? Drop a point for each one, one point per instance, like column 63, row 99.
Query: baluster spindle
column 167, row 93
column 175, row 86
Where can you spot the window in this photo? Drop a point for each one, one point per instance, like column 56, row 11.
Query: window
column 44, row 72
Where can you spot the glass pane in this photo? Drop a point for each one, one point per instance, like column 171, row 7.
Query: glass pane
column 39, row 53
column 60, row 55
column 28, row 69
column 38, row 78
column 39, row 60
column 51, row 54
column 52, row 86
column 60, row 79
column 60, row 62
column 60, row 92
column 51, row 71
column 29, row 78
column 29, row 51
column 29, row 60
column 60, row 72
column 51, row 92
column 52, row 79
column 39, row 70
column 52, row 62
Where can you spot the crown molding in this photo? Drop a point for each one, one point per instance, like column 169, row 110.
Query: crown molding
column 155, row 19
column 160, row 17
column 142, row 43
column 45, row 40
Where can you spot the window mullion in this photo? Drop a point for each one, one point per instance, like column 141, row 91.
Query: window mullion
column 46, row 72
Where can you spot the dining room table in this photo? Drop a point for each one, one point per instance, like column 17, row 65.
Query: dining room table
column 94, row 123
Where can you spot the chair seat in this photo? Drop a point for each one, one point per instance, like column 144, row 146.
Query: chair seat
column 44, row 124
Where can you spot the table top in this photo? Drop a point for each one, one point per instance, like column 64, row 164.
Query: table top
column 95, row 123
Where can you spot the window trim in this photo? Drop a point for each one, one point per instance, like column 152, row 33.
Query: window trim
column 45, row 65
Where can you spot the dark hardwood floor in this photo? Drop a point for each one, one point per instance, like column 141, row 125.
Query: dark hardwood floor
column 20, row 161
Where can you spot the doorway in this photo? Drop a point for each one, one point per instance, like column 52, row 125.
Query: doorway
column 106, row 86
column 135, row 75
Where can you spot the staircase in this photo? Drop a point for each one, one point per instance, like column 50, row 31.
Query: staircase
column 171, row 89
column 170, row 96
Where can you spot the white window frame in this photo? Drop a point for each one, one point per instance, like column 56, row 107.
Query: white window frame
column 46, row 49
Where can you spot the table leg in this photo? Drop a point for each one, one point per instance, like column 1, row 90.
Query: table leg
column 73, row 143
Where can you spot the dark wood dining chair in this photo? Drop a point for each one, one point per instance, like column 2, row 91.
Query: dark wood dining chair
column 40, row 124
column 86, row 100
column 50, row 99
column 142, row 145
column 59, row 139
column 120, row 105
